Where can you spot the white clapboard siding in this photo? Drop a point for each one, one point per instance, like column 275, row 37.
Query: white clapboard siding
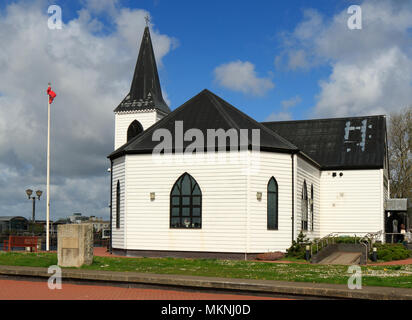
column 353, row 202
column 118, row 174
column 311, row 174
column 279, row 166
column 224, row 203
column 124, row 119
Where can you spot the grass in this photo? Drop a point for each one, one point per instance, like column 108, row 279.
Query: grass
column 389, row 276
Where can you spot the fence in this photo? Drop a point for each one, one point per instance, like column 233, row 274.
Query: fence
column 97, row 240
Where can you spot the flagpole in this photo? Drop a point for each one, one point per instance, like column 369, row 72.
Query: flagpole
column 48, row 176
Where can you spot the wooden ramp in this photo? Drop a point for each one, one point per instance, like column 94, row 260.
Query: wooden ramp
column 348, row 258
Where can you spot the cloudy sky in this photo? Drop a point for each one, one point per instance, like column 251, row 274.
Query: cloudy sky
column 274, row 60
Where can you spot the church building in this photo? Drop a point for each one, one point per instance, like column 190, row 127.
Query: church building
column 255, row 192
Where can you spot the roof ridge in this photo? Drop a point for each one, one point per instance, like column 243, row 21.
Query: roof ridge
column 325, row 119
column 266, row 129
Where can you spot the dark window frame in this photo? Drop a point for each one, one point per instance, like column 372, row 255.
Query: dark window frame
column 118, row 201
column 304, row 209
column 276, row 213
column 134, row 129
column 185, row 202
column 312, row 209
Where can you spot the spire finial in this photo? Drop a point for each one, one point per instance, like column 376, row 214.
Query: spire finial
column 147, row 19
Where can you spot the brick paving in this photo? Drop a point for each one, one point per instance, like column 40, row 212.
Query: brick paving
column 30, row 290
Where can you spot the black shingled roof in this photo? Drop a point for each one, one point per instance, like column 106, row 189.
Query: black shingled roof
column 206, row 111
column 340, row 143
column 145, row 92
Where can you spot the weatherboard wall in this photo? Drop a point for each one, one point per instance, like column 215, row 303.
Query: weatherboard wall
column 265, row 166
column 223, row 185
column 124, row 119
column 309, row 173
column 352, row 202
column 118, row 174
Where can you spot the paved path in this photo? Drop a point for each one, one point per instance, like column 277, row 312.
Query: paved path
column 28, row 290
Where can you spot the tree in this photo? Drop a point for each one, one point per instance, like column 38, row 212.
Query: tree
column 400, row 153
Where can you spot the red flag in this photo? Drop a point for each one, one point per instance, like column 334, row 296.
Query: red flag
column 51, row 94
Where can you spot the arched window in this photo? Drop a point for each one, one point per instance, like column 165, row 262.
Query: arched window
column 311, row 206
column 186, row 203
column 304, row 207
column 134, row 129
column 272, row 209
column 118, row 205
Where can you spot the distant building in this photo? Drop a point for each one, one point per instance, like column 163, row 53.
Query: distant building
column 13, row 223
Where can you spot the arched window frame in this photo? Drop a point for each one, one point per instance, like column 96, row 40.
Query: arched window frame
column 134, row 129
column 304, row 207
column 272, row 195
column 312, row 219
column 181, row 201
column 118, row 201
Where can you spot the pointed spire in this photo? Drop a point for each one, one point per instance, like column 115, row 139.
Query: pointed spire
column 145, row 91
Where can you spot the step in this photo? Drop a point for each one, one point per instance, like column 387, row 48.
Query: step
column 346, row 258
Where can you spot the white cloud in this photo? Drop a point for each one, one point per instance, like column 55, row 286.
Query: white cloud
column 371, row 68
column 241, row 76
column 91, row 74
column 280, row 116
column 291, row 102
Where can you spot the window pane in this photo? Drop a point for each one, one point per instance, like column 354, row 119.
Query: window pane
column 186, row 212
column 272, row 186
column 185, row 201
column 196, row 190
column 175, row 201
column 175, row 211
column 186, row 185
column 196, row 212
column 196, row 222
column 196, row 200
column 175, row 223
column 175, row 191
column 186, row 223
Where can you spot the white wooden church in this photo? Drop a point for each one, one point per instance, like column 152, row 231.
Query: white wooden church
column 315, row 176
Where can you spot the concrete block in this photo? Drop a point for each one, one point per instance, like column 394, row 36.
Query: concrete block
column 74, row 244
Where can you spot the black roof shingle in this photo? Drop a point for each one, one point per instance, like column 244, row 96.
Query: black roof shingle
column 338, row 143
column 206, row 111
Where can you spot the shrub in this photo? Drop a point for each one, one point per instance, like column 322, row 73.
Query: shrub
column 390, row 252
column 298, row 247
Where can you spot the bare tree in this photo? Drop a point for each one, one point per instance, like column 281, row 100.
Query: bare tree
column 400, row 153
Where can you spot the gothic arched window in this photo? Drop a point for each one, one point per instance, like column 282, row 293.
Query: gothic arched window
column 186, row 203
column 118, row 205
column 272, row 208
column 304, row 207
column 311, row 206
column 134, row 129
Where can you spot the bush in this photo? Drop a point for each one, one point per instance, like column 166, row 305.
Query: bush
column 298, row 247
column 390, row 252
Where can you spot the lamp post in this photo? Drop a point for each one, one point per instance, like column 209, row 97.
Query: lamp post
column 29, row 192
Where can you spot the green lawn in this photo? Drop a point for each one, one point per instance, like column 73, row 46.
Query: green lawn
column 391, row 276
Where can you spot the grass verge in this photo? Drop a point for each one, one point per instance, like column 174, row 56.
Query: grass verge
column 388, row 276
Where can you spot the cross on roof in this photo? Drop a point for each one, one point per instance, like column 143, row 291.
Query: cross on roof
column 147, row 19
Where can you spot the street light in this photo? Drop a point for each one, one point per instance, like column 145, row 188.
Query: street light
column 29, row 192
